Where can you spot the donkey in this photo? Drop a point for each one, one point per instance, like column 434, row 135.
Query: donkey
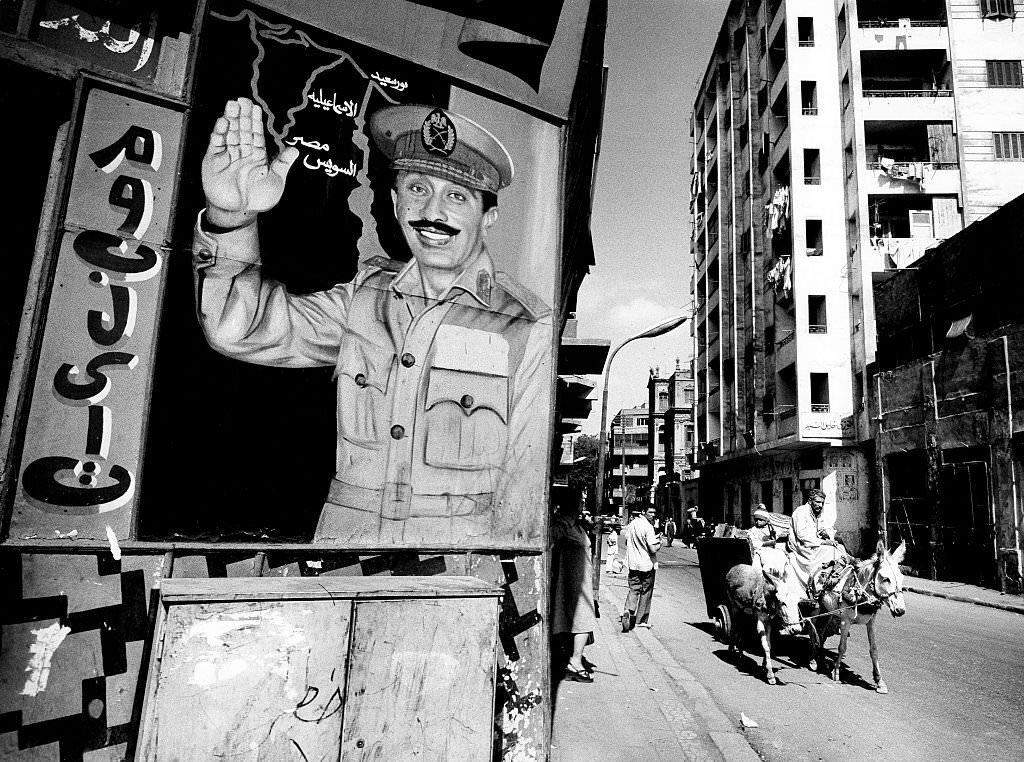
column 855, row 597
column 767, row 594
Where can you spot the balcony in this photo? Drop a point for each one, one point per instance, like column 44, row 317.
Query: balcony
column 934, row 177
column 907, row 85
column 925, row 34
column 817, row 328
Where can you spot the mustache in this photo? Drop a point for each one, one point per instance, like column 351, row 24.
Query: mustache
column 434, row 225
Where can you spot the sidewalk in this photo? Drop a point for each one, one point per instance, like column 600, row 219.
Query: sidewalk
column 644, row 703
column 959, row 591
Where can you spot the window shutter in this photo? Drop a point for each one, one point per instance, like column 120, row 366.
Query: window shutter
column 1004, row 73
column 1008, row 145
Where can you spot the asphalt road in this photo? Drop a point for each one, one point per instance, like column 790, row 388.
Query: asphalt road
column 955, row 673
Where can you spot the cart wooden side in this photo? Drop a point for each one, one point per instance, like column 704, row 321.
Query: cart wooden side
column 716, row 555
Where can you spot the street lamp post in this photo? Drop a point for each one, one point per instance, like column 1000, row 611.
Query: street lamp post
column 658, row 329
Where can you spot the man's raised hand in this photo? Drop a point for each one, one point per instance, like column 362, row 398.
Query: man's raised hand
column 238, row 180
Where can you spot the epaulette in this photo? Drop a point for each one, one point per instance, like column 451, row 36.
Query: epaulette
column 385, row 263
column 529, row 300
column 375, row 265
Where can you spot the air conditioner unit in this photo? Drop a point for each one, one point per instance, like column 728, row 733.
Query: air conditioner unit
column 921, row 223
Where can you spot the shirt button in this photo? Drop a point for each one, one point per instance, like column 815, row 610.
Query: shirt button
column 397, row 431
column 360, row 379
column 466, row 401
column 408, row 360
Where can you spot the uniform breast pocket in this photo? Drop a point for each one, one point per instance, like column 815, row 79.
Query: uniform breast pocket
column 466, row 419
column 363, row 375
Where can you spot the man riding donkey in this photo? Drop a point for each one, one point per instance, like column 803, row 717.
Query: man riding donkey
column 837, row 589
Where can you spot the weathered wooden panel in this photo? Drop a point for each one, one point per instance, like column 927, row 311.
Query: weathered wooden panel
column 71, row 646
column 266, row 678
column 421, row 681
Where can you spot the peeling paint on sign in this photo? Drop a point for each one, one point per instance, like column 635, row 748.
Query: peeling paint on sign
column 47, row 641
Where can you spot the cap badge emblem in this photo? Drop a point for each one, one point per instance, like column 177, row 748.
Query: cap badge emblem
column 438, row 133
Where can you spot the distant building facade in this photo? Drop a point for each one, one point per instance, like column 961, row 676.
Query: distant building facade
column 830, row 141
column 627, row 464
column 670, row 439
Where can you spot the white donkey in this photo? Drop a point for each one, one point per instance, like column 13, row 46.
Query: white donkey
column 855, row 597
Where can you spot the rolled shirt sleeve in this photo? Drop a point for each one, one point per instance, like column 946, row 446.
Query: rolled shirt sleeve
column 252, row 318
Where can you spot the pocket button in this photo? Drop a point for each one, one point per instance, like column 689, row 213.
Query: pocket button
column 466, row 401
column 397, row 431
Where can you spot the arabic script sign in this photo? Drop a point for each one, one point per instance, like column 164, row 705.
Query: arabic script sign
column 85, row 427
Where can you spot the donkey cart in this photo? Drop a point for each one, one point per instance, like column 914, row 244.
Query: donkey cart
column 716, row 556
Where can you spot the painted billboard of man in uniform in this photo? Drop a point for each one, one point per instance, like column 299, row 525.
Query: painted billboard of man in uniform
column 442, row 365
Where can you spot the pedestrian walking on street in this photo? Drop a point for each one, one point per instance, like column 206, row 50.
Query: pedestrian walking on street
column 642, row 545
column 572, row 605
column 670, row 531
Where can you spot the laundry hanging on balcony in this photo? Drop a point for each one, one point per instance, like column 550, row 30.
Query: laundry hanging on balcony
column 912, row 172
column 776, row 213
column 780, row 277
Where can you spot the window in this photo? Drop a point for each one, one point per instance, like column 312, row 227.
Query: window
column 848, row 160
column 1009, row 145
column 812, row 231
column 819, row 393
column 812, row 166
column 841, row 24
column 1004, row 73
column 809, row 98
column 846, row 91
column 817, row 317
column 997, row 9
column 805, row 31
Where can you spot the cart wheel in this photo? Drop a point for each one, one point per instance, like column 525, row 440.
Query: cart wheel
column 723, row 624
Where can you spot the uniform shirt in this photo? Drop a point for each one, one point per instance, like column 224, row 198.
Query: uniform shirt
column 442, row 404
column 642, row 544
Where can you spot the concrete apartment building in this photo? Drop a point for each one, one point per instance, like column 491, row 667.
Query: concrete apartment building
column 627, row 466
column 830, row 141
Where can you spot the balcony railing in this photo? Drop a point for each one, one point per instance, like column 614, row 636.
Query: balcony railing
column 929, row 93
column 809, row 111
column 785, row 411
column 906, row 165
column 894, row 23
column 817, row 329
column 812, row 180
column 805, row 43
column 790, row 335
column 820, row 407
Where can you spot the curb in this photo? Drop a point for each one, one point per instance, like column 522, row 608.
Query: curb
column 729, row 741
column 1013, row 608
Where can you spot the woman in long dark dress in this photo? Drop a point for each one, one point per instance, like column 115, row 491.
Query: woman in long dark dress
column 572, row 605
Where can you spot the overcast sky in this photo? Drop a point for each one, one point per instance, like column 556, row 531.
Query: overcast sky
column 656, row 50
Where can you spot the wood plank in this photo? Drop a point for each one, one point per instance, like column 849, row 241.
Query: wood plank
column 177, row 590
column 421, row 681
column 247, row 681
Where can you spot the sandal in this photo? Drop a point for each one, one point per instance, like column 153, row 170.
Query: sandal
column 577, row 676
